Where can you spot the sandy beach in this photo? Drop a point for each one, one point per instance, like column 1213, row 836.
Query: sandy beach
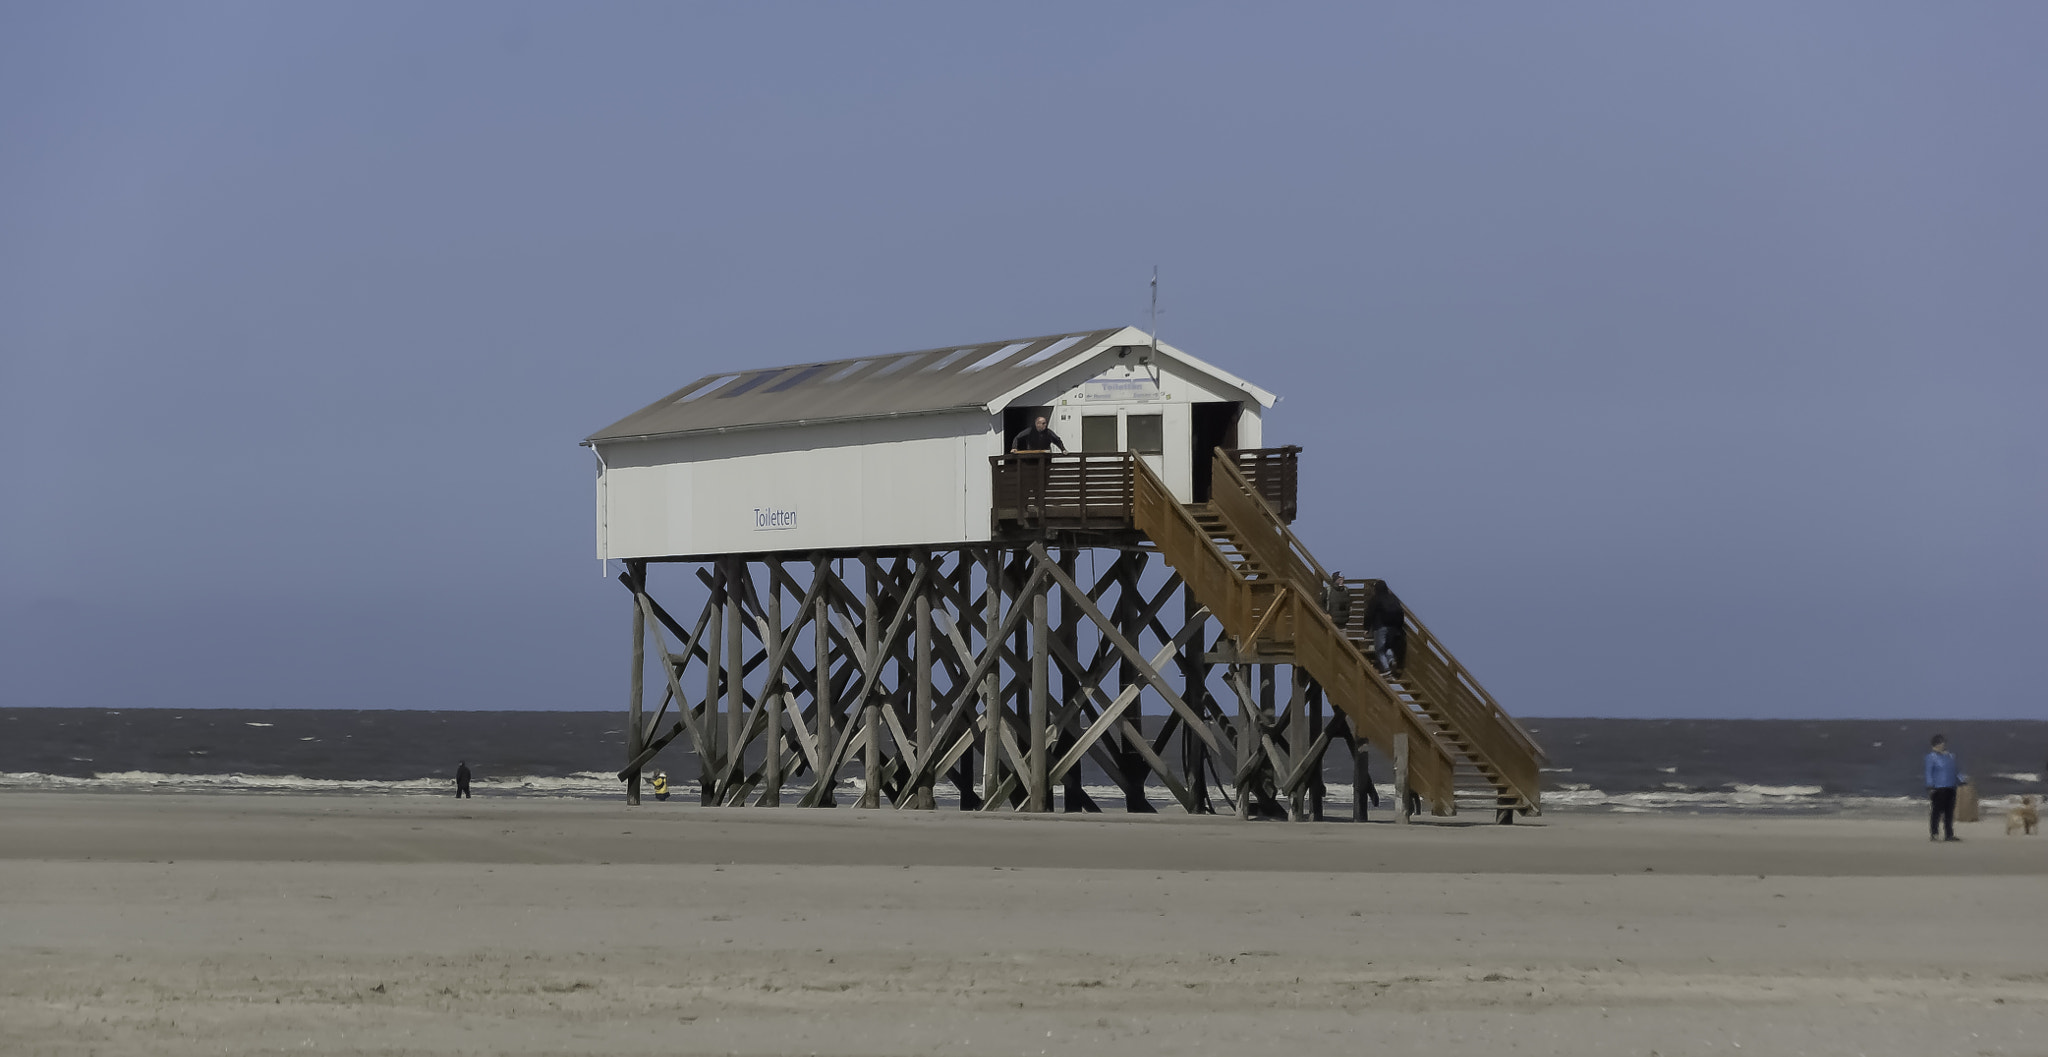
column 402, row 925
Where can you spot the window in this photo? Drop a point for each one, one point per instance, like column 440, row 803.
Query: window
column 1148, row 434
column 1098, row 433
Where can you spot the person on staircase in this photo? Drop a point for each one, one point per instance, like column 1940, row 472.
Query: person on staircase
column 1337, row 601
column 1386, row 621
column 1036, row 439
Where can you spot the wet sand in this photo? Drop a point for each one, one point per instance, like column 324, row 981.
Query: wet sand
column 397, row 925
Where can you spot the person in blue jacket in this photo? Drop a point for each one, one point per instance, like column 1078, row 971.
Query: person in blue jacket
column 1942, row 777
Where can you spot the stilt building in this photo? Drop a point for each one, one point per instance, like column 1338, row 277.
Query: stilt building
column 894, row 607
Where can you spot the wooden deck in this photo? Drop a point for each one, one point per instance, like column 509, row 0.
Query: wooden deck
column 1091, row 491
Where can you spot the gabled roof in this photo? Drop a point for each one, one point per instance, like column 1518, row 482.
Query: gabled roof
column 986, row 376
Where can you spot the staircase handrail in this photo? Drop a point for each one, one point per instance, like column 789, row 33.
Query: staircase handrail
column 1239, row 500
column 1464, row 703
column 1467, row 682
column 1319, row 645
column 1491, row 734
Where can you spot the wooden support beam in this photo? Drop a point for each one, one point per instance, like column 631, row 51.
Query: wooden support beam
column 1036, row 763
column 961, row 696
column 1123, row 645
column 631, row 773
column 821, row 652
column 871, row 771
column 771, row 773
column 1297, row 742
column 1112, row 711
column 1318, row 731
column 1247, row 738
column 921, row 698
column 636, row 689
column 735, row 703
column 1403, row 803
column 711, row 739
column 991, row 682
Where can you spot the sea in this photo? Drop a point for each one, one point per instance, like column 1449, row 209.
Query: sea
column 1788, row 766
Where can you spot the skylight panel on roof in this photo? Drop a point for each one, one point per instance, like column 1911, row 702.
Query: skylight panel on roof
column 996, row 357
column 700, row 391
column 798, row 378
column 847, row 370
column 1051, row 350
column 749, row 385
column 899, row 363
column 947, row 360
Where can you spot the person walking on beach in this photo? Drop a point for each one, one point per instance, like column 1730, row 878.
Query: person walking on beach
column 1942, row 779
column 462, row 781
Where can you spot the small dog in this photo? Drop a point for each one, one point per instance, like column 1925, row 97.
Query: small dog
column 2025, row 817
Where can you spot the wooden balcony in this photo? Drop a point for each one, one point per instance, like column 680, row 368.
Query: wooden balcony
column 1041, row 490
column 1092, row 491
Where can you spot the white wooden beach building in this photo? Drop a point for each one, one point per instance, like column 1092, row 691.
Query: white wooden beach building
column 893, row 450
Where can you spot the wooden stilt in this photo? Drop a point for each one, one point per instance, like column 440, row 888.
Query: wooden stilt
column 921, row 699
column 771, row 763
column 991, row 684
column 710, row 752
column 1195, row 688
column 1404, row 806
column 1130, row 623
column 1066, row 638
column 919, row 671
column 1247, row 738
column 821, row 653
column 635, row 732
column 871, row 770
column 1316, row 731
column 1298, row 740
column 735, row 687
column 1041, row 691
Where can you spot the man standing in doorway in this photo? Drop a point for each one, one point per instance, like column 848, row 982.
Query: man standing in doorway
column 462, row 781
column 1942, row 778
column 1037, row 438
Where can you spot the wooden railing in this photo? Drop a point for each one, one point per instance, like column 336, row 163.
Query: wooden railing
column 1236, row 498
column 1274, row 612
column 1274, row 474
column 1432, row 669
column 1067, row 491
column 1444, row 683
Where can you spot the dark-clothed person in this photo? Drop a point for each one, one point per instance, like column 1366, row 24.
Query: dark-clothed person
column 1943, row 774
column 1037, row 438
column 462, row 781
column 1337, row 600
column 1386, row 622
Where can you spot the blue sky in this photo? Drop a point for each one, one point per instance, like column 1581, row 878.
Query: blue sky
column 1671, row 360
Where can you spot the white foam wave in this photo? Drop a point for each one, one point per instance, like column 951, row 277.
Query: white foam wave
column 581, row 784
column 1569, row 796
column 1778, row 790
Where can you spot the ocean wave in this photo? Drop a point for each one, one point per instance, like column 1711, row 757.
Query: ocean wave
column 580, row 784
column 585, row 785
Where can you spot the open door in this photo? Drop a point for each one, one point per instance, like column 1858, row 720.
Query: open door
column 1215, row 427
column 1018, row 419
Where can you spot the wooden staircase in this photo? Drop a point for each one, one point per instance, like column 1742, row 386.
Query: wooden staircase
column 1495, row 764
column 1253, row 580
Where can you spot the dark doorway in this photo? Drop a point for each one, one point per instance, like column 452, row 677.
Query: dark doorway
column 1215, row 427
column 1018, row 419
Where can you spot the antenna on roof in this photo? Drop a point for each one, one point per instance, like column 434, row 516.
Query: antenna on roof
column 1155, row 309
